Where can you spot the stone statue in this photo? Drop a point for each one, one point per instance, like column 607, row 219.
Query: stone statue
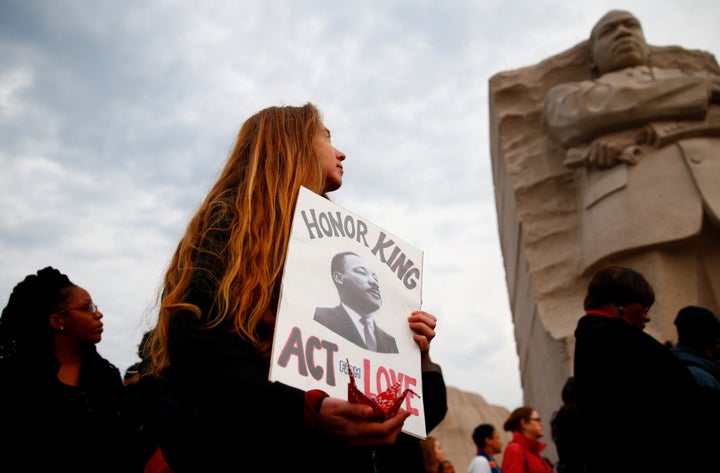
column 637, row 127
column 607, row 153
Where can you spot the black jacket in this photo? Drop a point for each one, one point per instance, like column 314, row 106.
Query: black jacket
column 50, row 426
column 220, row 410
column 223, row 410
column 637, row 403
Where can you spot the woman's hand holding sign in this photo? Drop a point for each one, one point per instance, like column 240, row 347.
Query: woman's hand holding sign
column 423, row 325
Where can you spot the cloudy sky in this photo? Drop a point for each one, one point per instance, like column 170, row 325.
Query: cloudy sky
column 116, row 117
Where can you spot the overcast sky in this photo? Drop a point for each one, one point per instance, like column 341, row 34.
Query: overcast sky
column 116, row 117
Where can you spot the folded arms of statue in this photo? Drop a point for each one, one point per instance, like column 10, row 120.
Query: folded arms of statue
column 604, row 122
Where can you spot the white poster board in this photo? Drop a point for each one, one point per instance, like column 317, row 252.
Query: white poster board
column 307, row 353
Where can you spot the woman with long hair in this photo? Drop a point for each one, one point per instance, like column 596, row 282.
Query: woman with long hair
column 220, row 294
column 432, row 453
column 61, row 401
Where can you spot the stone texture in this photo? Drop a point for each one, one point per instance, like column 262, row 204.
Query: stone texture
column 465, row 412
column 545, row 227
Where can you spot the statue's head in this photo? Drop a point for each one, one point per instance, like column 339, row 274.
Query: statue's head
column 617, row 42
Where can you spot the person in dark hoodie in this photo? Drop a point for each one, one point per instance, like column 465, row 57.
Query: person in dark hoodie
column 630, row 387
column 698, row 331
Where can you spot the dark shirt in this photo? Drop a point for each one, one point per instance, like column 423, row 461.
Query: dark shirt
column 50, row 426
column 631, row 393
column 706, row 371
column 565, row 425
column 222, row 407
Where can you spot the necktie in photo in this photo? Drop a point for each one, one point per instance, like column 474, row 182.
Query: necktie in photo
column 370, row 341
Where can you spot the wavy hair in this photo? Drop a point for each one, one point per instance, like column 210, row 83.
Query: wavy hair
column 252, row 202
column 24, row 326
column 429, row 456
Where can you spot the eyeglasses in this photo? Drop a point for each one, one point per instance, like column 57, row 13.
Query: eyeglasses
column 90, row 307
column 536, row 419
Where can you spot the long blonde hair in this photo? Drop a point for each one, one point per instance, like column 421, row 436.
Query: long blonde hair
column 429, row 454
column 253, row 201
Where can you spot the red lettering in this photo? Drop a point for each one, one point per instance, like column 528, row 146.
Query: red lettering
column 366, row 379
column 306, row 357
column 410, row 383
column 386, row 377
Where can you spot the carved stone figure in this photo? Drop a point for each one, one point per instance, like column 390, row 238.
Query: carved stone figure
column 607, row 153
column 638, row 127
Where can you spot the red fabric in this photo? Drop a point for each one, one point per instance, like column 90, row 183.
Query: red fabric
column 519, row 450
column 603, row 313
column 385, row 405
column 313, row 400
column 157, row 463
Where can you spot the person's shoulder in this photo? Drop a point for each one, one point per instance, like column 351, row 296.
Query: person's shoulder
column 325, row 313
column 479, row 464
column 382, row 332
column 513, row 446
column 479, row 460
column 102, row 362
column 592, row 325
column 686, row 356
column 101, row 366
column 703, row 378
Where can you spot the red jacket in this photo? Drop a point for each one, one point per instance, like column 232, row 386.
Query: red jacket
column 521, row 450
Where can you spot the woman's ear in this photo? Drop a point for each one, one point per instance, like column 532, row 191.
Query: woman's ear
column 56, row 322
column 523, row 424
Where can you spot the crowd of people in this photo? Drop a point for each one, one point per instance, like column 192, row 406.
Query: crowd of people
column 626, row 388
column 201, row 391
column 629, row 386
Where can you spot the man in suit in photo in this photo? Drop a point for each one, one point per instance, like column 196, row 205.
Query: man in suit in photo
column 359, row 291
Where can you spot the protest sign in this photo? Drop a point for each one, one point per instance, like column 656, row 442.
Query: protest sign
column 319, row 325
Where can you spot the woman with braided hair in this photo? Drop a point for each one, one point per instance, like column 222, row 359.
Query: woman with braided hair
column 61, row 401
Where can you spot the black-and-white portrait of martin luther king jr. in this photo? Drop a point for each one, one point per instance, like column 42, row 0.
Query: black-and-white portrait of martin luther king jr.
column 360, row 298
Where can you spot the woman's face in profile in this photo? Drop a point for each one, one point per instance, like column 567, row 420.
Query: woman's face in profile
column 331, row 158
column 78, row 318
column 533, row 428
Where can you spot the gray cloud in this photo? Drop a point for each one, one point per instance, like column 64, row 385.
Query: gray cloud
column 115, row 117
